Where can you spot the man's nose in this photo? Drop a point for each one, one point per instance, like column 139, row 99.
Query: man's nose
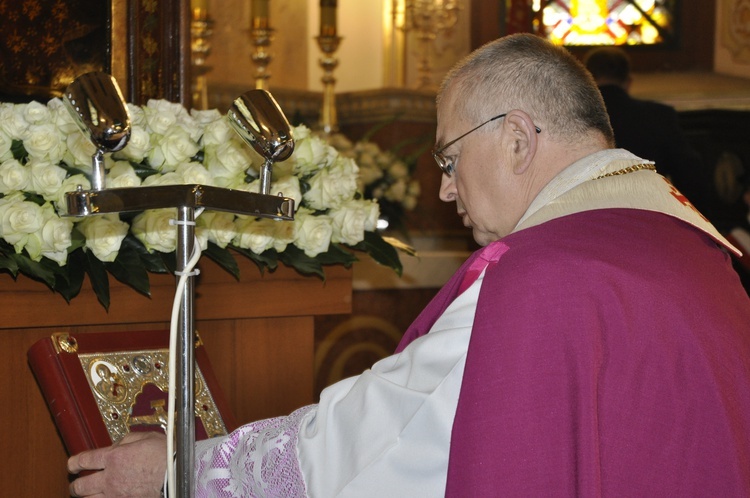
column 447, row 188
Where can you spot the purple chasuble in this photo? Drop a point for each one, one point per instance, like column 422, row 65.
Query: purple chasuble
column 610, row 356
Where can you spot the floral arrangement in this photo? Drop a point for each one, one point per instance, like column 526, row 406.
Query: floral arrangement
column 385, row 176
column 43, row 155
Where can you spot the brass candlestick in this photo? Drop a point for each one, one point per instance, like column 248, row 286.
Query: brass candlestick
column 200, row 48
column 261, row 38
column 328, row 119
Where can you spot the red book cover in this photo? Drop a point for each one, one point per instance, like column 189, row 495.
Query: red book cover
column 100, row 386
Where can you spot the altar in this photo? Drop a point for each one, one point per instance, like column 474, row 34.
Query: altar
column 258, row 333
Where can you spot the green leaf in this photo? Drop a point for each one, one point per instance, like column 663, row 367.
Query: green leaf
column 127, row 268
column 68, row 282
column 18, row 150
column 295, row 258
column 380, row 251
column 152, row 261
column 8, row 263
column 99, row 280
column 143, row 171
column 268, row 260
column 35, row 198
column 336, row 255
column 72, row 170
column 223, row 258
column 34, row 269
column 77, row 240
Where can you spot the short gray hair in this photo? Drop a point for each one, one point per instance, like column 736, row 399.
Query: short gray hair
column 526, row 72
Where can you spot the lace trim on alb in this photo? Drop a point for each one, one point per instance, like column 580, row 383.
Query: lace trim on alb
column 256, row 460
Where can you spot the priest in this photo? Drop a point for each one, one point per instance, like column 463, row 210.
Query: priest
column 598, row 343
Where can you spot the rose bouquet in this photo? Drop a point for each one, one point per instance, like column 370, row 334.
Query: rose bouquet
column 43, row 155
column 384, row 175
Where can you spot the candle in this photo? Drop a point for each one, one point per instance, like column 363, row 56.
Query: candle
column 259, row 14
column 200, row 9
column 327, row 17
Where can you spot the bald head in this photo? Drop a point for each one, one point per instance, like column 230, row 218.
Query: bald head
column 524, row 71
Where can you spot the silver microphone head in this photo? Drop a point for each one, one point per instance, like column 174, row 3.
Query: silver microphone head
column 97, row 106
column 260, row 122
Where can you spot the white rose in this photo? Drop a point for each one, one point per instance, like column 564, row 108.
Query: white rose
column 193, row 128
column 288, row 187
column 312, row 154
column 313, row 233
column 79, row 150
column 227, row 163
column 18, row 219
column 14, row 176
column 154, row 230
column 282, row 169
column 219, row 226
column 6, row 143
column 217, row 132
column 365, row 160
column 12, row 121
column 161, row 115
column 409, row 202
column 104, row 235
column 414, row 188
column 55, row 236
column 46, row 178
column 348, row 223
column 339, row 142
column 301, row 132
column 253, row 186
column 330, row 187
column 171, row 178
column 284, row 234
column 370, row 148
column 372, row 213
column 204, row 117
column 122, row 174
column 35, row 113
column 256, row 235
column 42, row 141
column 194, row 173
column 32, row 244
column 138, row 145
column 399, row 170
column 171, row 149
column 370, row 174
column 137, row 115
column 396, row 192
column 61, row 117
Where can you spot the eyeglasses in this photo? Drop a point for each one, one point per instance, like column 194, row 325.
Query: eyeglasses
column 446, row 164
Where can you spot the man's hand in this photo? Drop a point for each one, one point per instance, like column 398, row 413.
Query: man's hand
column 134, row 467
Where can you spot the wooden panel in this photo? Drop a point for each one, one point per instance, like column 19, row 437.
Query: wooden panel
column 218, row 295
column 262, row 355
column 264, row 366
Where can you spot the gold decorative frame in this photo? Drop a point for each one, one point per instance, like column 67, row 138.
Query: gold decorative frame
column 120, row 379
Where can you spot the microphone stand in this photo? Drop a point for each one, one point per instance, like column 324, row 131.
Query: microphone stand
column 186, row 198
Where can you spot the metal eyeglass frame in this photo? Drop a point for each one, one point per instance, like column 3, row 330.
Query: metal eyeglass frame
column 445, row 164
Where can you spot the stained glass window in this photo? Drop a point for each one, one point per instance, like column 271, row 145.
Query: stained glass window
column 604, row 22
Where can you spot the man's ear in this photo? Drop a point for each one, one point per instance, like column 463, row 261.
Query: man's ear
column 524, row 140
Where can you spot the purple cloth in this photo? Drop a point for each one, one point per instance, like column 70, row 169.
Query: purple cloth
column 610, row 356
